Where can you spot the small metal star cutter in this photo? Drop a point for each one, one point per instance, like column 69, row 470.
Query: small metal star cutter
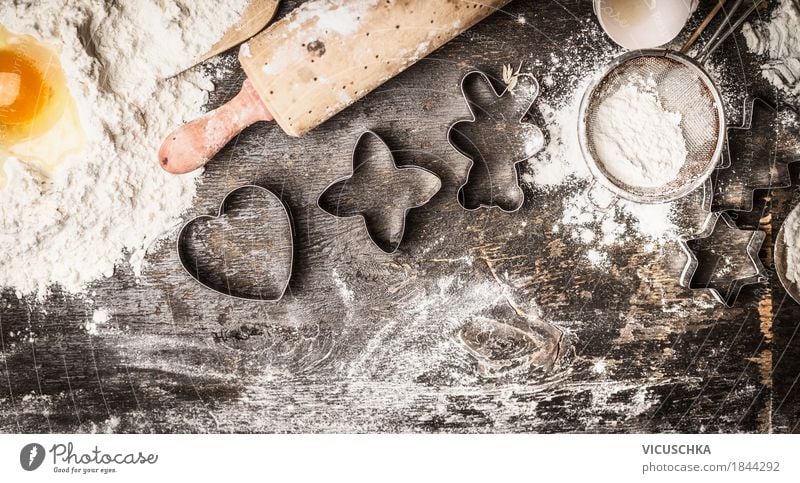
column 753, row 273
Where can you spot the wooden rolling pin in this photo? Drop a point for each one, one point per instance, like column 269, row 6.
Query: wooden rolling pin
column 319, row 59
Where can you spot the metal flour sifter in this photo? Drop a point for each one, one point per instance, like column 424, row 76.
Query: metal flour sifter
column 683, row 86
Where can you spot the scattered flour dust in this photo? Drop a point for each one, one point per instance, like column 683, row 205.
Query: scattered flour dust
column 340, row 16
column 424, row 335
column 345, row 293
column 74, row 226
column 317, row 18
column 561, row 158
column 636, row 140
column 561, row 166
column 564, row 78
column 99, row 317
column 779, row 39
column 791, row 236
column 603, row 229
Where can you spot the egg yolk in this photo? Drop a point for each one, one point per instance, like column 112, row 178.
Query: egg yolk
column 39, row 121
column 23, row 91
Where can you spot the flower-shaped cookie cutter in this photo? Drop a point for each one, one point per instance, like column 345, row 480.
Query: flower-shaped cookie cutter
column 379, row 192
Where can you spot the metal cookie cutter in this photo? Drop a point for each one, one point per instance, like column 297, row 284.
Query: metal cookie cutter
column 781, row 258
column 755, row 157
column 717, row 269
column 379, row 191
column 495, row 140
column 246, row 251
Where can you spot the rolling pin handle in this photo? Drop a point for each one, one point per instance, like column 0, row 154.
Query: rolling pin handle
column 192, row 145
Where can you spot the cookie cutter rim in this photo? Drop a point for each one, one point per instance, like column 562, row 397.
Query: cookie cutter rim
column 220, row 212
column 726, row 159
column 353, row 168
column 754, row 245
column 748, row 109
column 779, row 257
column 474, row 119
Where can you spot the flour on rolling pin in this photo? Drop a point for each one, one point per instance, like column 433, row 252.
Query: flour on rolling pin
column 318, row 60
column 327, row 54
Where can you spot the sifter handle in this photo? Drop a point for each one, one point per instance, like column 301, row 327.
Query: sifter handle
column 192, row 145
column 696, row 34
column 719, row 36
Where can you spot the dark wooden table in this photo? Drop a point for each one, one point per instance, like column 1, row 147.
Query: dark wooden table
column 481, row 322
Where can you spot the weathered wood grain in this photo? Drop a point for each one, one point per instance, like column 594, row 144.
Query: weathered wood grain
column 481, row 322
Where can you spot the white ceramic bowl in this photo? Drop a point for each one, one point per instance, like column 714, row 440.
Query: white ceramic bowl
column 643, row 24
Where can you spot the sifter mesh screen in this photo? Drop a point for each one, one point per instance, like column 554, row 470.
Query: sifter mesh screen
column 682, row 87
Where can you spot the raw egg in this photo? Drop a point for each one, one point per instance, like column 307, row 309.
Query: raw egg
column 39, row 122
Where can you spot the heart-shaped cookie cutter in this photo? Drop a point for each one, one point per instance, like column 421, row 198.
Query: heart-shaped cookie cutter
column 191, row 268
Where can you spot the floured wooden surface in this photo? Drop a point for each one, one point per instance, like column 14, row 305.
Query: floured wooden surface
column 481, row 322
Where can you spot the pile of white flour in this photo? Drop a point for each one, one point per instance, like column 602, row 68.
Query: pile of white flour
column 791, row 236
column 114, row 198
column 779, row 39
column 636, row 139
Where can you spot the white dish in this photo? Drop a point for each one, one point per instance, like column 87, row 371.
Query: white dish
column 643, row 24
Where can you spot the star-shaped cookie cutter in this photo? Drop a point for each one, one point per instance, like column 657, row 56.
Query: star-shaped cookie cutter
column 735, row 285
